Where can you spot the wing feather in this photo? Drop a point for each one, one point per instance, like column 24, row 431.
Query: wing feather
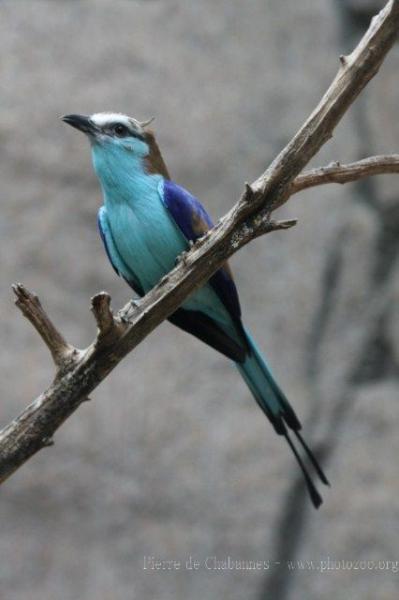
column 193, row 221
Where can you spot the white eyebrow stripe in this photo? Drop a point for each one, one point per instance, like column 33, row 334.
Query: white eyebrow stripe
column 102, row 119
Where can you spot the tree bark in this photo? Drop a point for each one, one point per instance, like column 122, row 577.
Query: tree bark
column 80, row 371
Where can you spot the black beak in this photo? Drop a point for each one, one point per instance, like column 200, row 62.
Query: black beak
column 80, row 122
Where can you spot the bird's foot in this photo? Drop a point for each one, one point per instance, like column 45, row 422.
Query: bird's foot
column 181, row 258
column 183, row 255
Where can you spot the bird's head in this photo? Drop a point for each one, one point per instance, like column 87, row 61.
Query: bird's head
column 117, row 137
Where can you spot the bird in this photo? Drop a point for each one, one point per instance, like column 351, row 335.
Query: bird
column 146, row 222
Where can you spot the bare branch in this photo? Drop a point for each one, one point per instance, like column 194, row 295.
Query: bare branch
column 353, row 75
column 30, row 306
column 249, row 218
column 337, row 173
column 109, row 328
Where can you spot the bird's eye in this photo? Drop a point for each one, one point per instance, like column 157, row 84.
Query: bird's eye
column 120, row 130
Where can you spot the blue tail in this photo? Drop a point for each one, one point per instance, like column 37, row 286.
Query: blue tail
column 275, row 405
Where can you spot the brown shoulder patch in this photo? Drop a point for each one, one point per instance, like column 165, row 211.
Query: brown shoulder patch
column 154, row 161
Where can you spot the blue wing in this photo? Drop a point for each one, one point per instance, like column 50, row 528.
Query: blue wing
column 193, row 221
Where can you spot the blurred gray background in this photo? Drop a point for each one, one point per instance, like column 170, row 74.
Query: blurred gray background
column 172, row 458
